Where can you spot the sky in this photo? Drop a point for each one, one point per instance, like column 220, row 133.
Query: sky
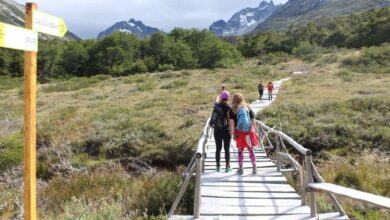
column 86, row 18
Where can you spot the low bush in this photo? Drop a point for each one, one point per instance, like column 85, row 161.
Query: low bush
column 348, row 124
column 175, row 84
column 75, row 83
column 373, row 59
column 7, row 82
column 11, row 151
column 274, row 58
column 261, row 72
column 165, row 67
column 116, row 194
column 345, row 75
column 307, row 51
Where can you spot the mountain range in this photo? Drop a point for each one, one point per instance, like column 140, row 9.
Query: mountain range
column 132, row 27
column 270, row 17
column 266, row 17
column 300, row 12
column 12, row 12
column 245, row 20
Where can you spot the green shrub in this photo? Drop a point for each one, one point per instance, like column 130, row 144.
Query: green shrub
column 139, row 67
column 373, row 59
column 165, row 67
column 114, row 194
column 79, row 209
column 74, row 83
column 350, row 180
column 261, row 72
column 345, row 75
column 7, row 82
column 327, row 59
column 167, row 75
column 11, row 151
column 273, row 58
column 147, row 86
column 43, row 170
column 175, row 84
column 307, row 51
column 335, row 124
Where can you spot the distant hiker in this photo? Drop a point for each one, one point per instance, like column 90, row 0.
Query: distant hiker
column 260, row 88
column 242, row 121
column 270, row 90
column 223, row 88
column 220, row 122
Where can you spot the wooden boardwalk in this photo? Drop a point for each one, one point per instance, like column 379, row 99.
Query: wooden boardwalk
column 265, row 195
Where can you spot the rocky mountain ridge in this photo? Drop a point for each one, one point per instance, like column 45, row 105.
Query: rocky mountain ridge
column 131, row 27
column 245, row 20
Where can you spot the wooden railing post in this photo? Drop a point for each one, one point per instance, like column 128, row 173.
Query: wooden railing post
column 309, row 179
column 183, row 188
column 277, row 153
column 198, row 180
column 303, row 181
column 333, row 199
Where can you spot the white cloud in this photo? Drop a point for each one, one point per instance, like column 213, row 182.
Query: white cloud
column 87, row 18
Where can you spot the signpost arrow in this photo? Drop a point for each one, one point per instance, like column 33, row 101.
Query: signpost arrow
column 49, row 24
column 18, row 38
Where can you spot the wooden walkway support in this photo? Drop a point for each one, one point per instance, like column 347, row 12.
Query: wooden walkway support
column 267, row 194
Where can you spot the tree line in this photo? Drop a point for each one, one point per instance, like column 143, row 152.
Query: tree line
column 125, row 54
column 358, row 30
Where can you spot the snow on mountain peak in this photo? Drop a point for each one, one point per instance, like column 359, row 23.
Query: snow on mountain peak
column 245, row 20
column 131, row 27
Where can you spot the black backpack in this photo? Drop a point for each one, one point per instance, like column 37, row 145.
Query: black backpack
column 218, row 120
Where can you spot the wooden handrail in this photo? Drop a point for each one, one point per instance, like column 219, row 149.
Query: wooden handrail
column 196, row 165
column 379, row 201
column 333, row 199
column 182, row 190
column 203, row 139
column 295, row 164
column 293, row 143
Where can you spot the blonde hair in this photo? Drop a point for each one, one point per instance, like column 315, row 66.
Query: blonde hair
column 238, row 102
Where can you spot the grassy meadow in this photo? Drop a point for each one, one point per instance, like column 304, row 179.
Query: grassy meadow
column 341, row 112
column 102, row 141
column 115, row 148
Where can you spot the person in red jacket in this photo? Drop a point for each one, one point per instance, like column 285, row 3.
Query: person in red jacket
column 270, row 90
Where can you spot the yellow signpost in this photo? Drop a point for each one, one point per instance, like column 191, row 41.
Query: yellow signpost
column 27, row 39
column 18, row 38
column 30, row 123
column 49, row 24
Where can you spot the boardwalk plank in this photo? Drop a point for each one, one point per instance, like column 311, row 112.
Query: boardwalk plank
column 211, row 201
column 207, row 192
column 212, row 173
column 250, row 189
column 247, row 179
column 221, row 210
column 253, row 184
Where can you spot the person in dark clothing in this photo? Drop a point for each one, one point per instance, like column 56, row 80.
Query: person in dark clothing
column 222, row 136
column 260, row 88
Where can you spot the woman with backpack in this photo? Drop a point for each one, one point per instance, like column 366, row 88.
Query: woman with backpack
column 218, row 99
column 241, row 121
column 220, row 122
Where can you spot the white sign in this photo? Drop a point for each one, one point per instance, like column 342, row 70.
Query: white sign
column 49, row 24
column 18, row 38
